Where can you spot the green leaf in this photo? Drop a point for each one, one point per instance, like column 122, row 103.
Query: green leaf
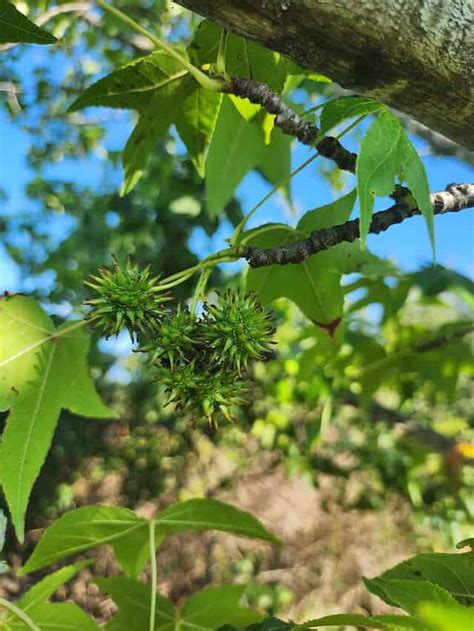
column 57, row 378
column 82, row 529
column 243, row 58
column 213, row 607
column 24, row 326
column 275, row 163
column 377, row 165
column 137, row 151
column 45, row 588
column 56, row 617
column 236, row 148
column 269, row 624
column 413, row 172
column 315, row 284
column 133, row 601
column 387, row 153
column 454, row 573
column 15, row 27
column 387, row 622
column 210, row 514
column 128, row 533
column 407, row 593
column 196, row 122
column 135, row 85
column 445, row 618
column 338, row 110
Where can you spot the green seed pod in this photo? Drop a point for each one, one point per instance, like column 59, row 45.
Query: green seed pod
column 237, row 329
column 128, row 298
column 203, row 393
column 181, row 385
column 175, row 339
column 219, row 392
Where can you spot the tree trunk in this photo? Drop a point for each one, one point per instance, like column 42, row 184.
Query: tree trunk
column 414, row 55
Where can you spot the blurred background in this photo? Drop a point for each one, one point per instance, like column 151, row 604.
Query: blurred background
column 357, row 449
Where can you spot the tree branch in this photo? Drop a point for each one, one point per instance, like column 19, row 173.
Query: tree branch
column 455, row 198
column 291, row 123
column 416, row 55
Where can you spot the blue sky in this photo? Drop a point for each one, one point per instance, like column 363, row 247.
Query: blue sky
column 406, row 244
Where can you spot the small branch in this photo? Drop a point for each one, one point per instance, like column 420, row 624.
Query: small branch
column 154, row 579
column 291, row 123
column 20, row 614
column 441, row 340
column 455, row 198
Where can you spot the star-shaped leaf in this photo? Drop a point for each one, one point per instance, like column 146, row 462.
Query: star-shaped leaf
column 43, row 370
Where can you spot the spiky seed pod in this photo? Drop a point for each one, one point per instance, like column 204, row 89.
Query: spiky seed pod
column 181, row 385
column 129, row 298
column 202, row 393
column 175, row 339
column 237, row 329
column 219, row 393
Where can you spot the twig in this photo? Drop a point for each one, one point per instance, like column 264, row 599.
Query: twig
column 455, row 198
column 291, row 123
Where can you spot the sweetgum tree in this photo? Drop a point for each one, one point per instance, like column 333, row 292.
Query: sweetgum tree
column 233, row 106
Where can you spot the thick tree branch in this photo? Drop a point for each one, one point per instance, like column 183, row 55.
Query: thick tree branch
column 291, row 123
column 414, row 55
column 455, row 198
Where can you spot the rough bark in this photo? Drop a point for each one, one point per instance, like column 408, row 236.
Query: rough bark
column 415, row 55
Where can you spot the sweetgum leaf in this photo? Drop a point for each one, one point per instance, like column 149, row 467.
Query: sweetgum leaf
column 15, row 27
column 41, row 374
column 56, row 617
column 315, row 284
column 128, row 533
column 385, row 154
column 210, row 514
column 275, row 164
column 196, row 122
column 408, row 593
column 386, row 622
column 103, row 525
column 377, row 165
column 214, row 606
column 243, row 58
column 446, row 618
column 236, row 147
column 338, row 110
column 42, row 591
column 133, row 601
column 135, row 85
column 454, row 573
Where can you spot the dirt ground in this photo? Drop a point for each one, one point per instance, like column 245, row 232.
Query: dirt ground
column 326, row 548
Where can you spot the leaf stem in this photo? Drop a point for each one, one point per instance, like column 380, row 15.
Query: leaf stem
column 206, row 82
column 154, row 578
column 222, row 256
column 243, row 223
column 20, row 614
column 200, row 289
column 265, row 198
column 221, row 53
